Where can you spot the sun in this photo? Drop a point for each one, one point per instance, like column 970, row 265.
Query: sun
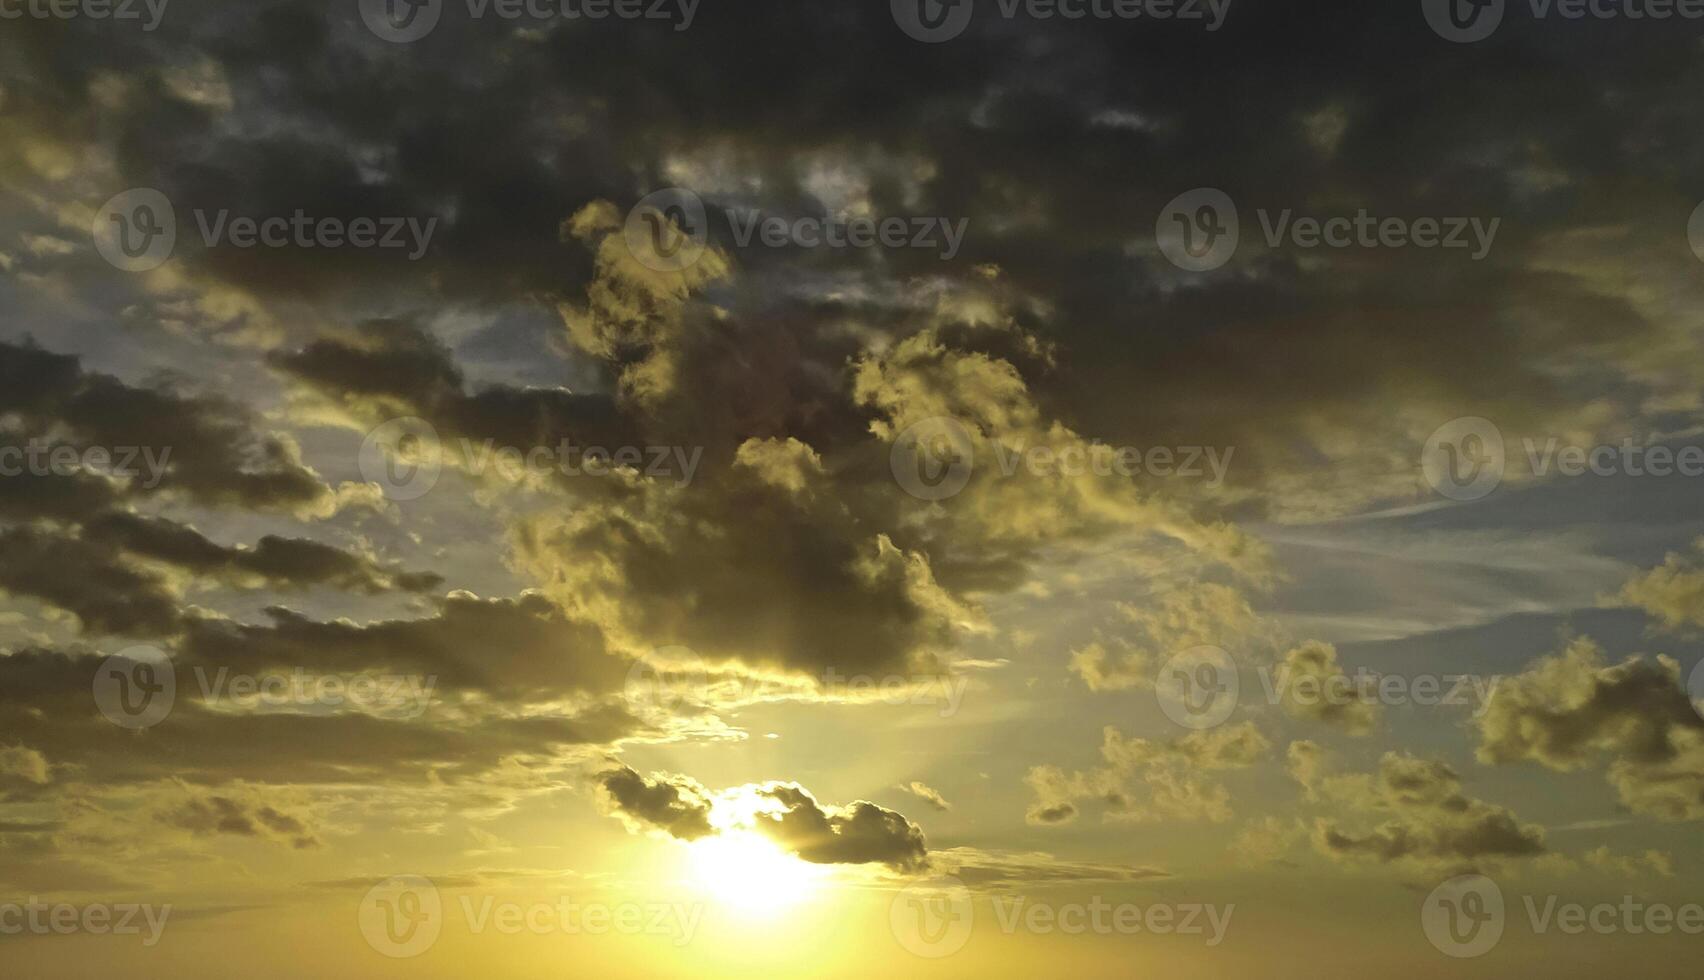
column 750, row 874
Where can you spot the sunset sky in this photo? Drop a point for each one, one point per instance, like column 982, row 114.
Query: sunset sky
column 834, row 488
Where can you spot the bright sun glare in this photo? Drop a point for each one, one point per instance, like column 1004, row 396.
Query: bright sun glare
column 749, row 873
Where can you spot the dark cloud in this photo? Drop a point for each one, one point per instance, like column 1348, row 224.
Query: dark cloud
column 1567, row 711
column 107, row 596
column 95, row 574
column 210, row 450
column 1424, row 818
column 515, row 649
column 861, row 833
column 677, row 805
column 273, row 561
column 211, row 814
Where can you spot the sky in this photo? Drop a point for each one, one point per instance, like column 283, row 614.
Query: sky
column 964, row 489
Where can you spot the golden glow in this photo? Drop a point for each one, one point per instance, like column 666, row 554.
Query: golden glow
column 748, row 873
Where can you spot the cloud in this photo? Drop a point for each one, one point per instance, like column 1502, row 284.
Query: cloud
column 1423, row 819
column 22, row 762
column 520, row 649
column 209, row 738
column 209, row 451
column 108, row 597
column 116, row 572
column 994, row 869
column 1172, row 773
column 1314, row 687
column 1649, row 862
column 1572, row 709
column 1148, row 633
column 1305, row 761
column 925, row 793
column 1268, row 839
column 207, row 814
column 1673, row 592
column 860, row 833
column 677, row 805
column 273, row 561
